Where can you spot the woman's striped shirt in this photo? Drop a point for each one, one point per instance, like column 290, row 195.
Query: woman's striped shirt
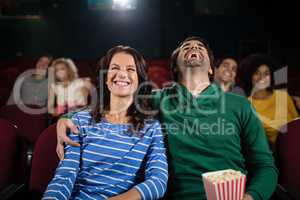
column 110, row 161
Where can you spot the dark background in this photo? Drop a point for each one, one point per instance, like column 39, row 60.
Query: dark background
column 68, row 28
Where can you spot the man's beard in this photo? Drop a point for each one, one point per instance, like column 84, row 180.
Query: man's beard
column 193, row 62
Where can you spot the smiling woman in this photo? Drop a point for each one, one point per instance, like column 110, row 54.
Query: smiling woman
column 121, row 153
column 120, row 72
column 122, row 79
column 275, row 107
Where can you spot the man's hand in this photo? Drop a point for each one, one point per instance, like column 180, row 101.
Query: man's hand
column 247, row 197
column 61, row 129
column 55, row 114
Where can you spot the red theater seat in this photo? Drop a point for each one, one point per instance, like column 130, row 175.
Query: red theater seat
column 29, row 126
column 44, row 161
column 159, row 62
column 8, row 149
column 288, row 150
column 159, row 75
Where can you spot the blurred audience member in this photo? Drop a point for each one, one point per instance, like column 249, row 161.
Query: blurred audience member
column 275, row 107
column 67, row 92
column 225, row 75
column 31, row 87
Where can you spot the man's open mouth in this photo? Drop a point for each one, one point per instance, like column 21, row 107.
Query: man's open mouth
column 193, row 55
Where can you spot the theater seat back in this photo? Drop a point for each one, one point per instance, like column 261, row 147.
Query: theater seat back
column 8, row 149
column 288, row 151
column 45, row 160
column 29, row 126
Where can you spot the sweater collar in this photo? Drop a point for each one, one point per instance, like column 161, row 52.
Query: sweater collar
column 209, row 99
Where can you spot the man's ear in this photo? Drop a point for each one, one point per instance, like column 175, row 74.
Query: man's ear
column 210, row 71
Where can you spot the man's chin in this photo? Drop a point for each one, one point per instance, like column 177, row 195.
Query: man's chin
column 194, row 63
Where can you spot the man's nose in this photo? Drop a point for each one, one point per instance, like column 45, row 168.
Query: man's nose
column 230, row 70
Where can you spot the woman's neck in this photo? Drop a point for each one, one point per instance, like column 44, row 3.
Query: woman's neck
column 64, row 83
column 118, row 109
column 261, row 94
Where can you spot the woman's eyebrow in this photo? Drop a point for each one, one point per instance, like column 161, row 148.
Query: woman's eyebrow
column 114, row 64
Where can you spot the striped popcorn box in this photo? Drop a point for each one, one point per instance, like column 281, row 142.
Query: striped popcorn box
column 224, row 185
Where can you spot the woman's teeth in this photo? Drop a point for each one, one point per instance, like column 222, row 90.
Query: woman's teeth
column 121, row 83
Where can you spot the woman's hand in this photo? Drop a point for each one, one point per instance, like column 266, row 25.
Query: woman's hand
column 61, row 129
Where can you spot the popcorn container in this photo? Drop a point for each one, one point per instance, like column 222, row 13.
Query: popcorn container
column 224, row 185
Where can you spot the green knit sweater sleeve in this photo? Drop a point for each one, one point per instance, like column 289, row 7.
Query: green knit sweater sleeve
column 68, row 115
column 262, row 173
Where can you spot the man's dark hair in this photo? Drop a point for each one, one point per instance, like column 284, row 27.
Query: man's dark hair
column 219, row 60
column 47, row 55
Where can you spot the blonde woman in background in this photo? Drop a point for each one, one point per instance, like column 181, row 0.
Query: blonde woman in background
column 67, row 91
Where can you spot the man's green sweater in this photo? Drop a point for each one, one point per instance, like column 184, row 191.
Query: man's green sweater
column 213, row 131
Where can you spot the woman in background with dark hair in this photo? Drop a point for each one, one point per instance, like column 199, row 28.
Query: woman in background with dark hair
column 225, row 74
column 275, row 107
column 121, row 153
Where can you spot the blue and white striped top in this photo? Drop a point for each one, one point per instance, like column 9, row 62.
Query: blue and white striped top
column 110, row 162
